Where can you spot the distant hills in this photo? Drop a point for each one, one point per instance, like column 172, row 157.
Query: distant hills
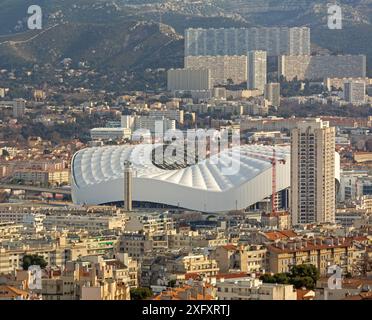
column 123, row 45
column 125, row 35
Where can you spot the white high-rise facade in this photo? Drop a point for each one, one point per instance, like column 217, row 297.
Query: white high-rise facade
column 272, row 93
column 355, row 92
column 257, row 61
column 237, row 41
column 189, row 79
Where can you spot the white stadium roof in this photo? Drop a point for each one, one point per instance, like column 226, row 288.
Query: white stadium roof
column 97, row 178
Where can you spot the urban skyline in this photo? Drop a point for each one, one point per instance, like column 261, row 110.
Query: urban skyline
column 190, row 153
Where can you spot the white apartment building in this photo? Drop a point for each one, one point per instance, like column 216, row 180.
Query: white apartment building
column 355, row 92
column 222, row 68
column 19, row 107
column 238, row 41
column 196, row 264
column 153, row 123
column 150, row 223
column 354, row 184
column 90, row 223
column 189, row 79
column 110, row 133
column 23, row 216
column 272, row 93
column 247, row 288
column 322, row 66
column 313, row 172
column 257, row 69
column 172, row 114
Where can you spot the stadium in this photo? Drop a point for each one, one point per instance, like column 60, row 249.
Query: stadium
column 97, row 177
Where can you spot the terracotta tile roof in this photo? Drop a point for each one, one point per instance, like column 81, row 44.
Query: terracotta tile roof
column 193, row 276
column 304, row 294
column 229, row 247
column 360, row 296
column 276, row 235
column 309, row 245
column 231, row 275
column 176, row 294
column 12, row 292
column 356, row 283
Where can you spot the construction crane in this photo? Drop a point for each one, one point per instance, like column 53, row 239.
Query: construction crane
column 273, row 160
column 273, row 183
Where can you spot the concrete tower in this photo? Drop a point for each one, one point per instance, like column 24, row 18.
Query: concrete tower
column 313, row 172
column 128, row 177
column 257, row 61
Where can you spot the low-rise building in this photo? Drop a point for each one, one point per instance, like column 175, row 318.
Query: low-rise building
column 196, row 264
column 319, row 252
column 248, row 288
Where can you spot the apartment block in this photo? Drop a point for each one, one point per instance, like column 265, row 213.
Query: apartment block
column 223, row 68
column 196, row 264
column 338, row 83
column 172, row 114
column 189, row 79
column 313, row 198
column 322, row 66
column 154, row 124
column 110, row 133
column 272, row 93
column 136, row 245
column 257, row 70
column 238, row 41
column 248, row 259
column 355, row 92
column 86, row 280
column 248, row 288
column 321, row 253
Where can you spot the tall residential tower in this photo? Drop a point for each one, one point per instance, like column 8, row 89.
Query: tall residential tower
column 313, row 172
column 257, row 61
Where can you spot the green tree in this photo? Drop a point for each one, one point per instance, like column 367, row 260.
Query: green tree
column 267, row 278
column 5, row 153
column 140, row 293
column 172, row 283
column 304, row 275
column 305, row 270
column 282, row 278
column 300, row 282
column 30, row 260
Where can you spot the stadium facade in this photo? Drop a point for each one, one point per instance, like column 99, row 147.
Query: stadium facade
column 98, row 175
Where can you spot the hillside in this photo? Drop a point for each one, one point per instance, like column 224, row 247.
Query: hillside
column 130, row 45
column 114, row 36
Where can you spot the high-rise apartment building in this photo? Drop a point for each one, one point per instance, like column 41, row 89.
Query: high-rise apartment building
column 355, row 92
column 238, row 41
column 257, row 61
column 19, row 106
column 154, row 122
column 189, row 79
column 272, row 93
column 313, row 172
column 172, row 114
column 223, row 68
column 322, row 66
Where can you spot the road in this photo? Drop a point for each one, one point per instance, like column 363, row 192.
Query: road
column 34, row 188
